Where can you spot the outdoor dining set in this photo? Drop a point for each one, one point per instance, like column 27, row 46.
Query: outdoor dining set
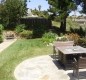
column 70, row 56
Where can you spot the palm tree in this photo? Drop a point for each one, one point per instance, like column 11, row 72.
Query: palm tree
column 39, row 7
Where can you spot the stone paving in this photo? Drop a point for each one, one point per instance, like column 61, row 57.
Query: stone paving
column 6, row 43
column 39, row 68
column 42, row 68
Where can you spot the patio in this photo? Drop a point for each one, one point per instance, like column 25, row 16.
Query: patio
column 43, row 68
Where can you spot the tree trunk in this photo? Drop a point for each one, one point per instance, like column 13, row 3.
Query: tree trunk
column 63, row 25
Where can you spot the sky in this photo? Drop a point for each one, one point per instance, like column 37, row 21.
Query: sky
column 44, row 6
column 79, row 8
column 35, row 3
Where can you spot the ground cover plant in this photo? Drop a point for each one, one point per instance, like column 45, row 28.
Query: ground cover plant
column 18, row 52
column 49, row 37
column 1, row 30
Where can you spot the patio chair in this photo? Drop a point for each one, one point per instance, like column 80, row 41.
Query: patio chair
column 78, row 64
column 59, row 44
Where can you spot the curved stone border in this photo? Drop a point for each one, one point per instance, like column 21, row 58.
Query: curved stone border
column 39, row 68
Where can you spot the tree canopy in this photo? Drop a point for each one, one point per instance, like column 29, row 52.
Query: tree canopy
column 84, row 6
column 11, row 11
column 82, row 3
column 61, row 8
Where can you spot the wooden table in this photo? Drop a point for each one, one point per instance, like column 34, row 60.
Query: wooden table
column 67, row 54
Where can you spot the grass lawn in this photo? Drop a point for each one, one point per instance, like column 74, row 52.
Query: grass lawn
column 69, row 24
column 19, row 51
column 54, row 23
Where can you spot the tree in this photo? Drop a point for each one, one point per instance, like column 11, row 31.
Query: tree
column 84, row 6
column 35, row 12
column 61, row 8
column 39, row 7
column 11, row 11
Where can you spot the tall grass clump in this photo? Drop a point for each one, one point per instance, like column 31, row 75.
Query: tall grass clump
column 49, row 37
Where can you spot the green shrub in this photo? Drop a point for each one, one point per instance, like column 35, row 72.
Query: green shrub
column 62, row 38
column 1, row 39
column 26, row 34
column 39, row 30
column 80, row 31
column 82, row 42
column 1, row 28
column 49, row 37
column 20, row 28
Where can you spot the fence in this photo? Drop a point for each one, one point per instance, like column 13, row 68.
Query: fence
column 38, row 25
column 32, row 22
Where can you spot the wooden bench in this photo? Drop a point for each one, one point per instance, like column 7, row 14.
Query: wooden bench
column 60, row 43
